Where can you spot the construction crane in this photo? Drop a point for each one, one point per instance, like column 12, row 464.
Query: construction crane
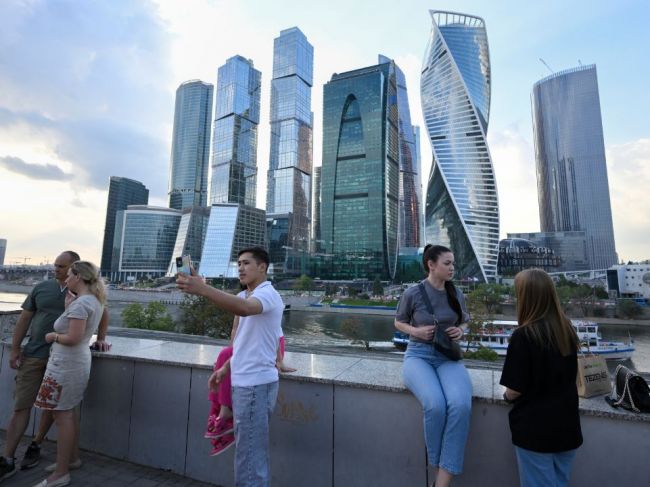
column 25, row 259
column 546, row 64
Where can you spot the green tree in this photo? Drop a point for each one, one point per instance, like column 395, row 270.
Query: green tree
column 304, row 283
column 152, row 317
column 626, row 308
column 564, row 294
column 490, row 295
column 480, row 322
column 351, row 328
column 201, row 317
column 483, row 353
column 352, row 291
column 377, row 287
column 583, row 296
column 600, row 292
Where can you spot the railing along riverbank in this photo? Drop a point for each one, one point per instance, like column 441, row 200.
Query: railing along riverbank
column 339, row 421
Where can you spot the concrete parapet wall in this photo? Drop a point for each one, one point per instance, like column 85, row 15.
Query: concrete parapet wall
column 8, row 321
column 339, row 421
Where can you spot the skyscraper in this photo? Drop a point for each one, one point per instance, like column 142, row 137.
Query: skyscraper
column 144, row 241
column 361, row 172
column 188, row 169
column 572, row 184
column 3, row 250
column 122, row 192
column 190, row 237
column 234, row 146
column 231, row 228
column 234, row 222
column 315, row 220
column 410, row 189
column 288, row 198
column 461, row 209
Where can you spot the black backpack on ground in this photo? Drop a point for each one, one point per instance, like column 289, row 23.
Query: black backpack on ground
column 630, row 391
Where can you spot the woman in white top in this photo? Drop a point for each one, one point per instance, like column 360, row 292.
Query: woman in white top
column 68, row 367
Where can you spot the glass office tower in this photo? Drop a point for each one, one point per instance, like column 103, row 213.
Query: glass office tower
column 409, row 172
column 188, row 168
column 3, row 250
column 144, row 241
column 288, row 197
column 315, row 220
column 190, row 237
column 461, row 210
column 122, row 192
column 231, row 228
column 234, row 147
column 361, row 172
column 572, row 184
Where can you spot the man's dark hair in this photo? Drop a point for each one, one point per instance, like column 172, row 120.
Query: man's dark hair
column 258, row 253
column 72, row 254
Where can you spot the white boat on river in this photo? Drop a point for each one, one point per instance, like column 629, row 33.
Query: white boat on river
column 496, row 336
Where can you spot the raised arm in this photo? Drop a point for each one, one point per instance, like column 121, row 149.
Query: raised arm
column 239, row 306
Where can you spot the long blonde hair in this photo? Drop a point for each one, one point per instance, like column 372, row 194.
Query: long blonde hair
column 89, row 273
column 540, row 314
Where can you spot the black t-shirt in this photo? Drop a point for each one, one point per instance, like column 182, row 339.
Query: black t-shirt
column 545, row 417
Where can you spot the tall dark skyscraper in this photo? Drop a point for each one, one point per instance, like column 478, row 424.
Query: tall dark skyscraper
column 572, row 184
column 234, row 146
column 461, row 210
column 122, row 192
column 188, row 171
column 288, row 198
column 361, row 171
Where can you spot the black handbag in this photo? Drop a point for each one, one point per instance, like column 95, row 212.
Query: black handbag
column 630, row 391
column 441, row 341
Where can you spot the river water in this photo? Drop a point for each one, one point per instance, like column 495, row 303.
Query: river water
column 302, row 327
column 11, row 301
column 305, row 328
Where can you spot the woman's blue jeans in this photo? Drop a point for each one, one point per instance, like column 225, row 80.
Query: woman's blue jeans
column 252, row 408
column 544, row 469
column 444, row 389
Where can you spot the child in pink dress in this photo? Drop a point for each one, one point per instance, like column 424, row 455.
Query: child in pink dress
column 220, row 429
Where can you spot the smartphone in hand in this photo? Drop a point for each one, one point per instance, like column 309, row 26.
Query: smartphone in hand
column 184, row 264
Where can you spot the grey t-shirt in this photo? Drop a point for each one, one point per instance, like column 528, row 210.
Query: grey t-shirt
column 413, row 310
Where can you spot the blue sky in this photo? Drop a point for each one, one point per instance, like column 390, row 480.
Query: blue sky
column 87, row 92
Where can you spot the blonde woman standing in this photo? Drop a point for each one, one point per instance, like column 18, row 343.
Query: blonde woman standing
column 540, row 379
column 68, row 367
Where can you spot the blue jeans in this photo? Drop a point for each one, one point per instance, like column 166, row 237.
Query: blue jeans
column 252, row 408
column 544, row 469
column 444, row 389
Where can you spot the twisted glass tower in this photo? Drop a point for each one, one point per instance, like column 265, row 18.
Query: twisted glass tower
column 461, row 209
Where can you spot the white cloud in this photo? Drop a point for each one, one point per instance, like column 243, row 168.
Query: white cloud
column 629, row 180
column 514, row 167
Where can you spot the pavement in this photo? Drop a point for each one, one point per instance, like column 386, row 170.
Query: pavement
column 96, row 471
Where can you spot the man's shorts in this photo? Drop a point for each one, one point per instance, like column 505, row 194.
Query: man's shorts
column 28, row 381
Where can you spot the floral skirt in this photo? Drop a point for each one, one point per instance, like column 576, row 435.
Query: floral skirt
column 64, row 382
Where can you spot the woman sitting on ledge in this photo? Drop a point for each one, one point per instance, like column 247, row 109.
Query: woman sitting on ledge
column 440, row 384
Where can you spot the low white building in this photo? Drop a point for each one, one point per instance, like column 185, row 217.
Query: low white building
column 629, row 281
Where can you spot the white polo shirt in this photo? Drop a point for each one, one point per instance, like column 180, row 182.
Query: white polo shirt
column 256, row 342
